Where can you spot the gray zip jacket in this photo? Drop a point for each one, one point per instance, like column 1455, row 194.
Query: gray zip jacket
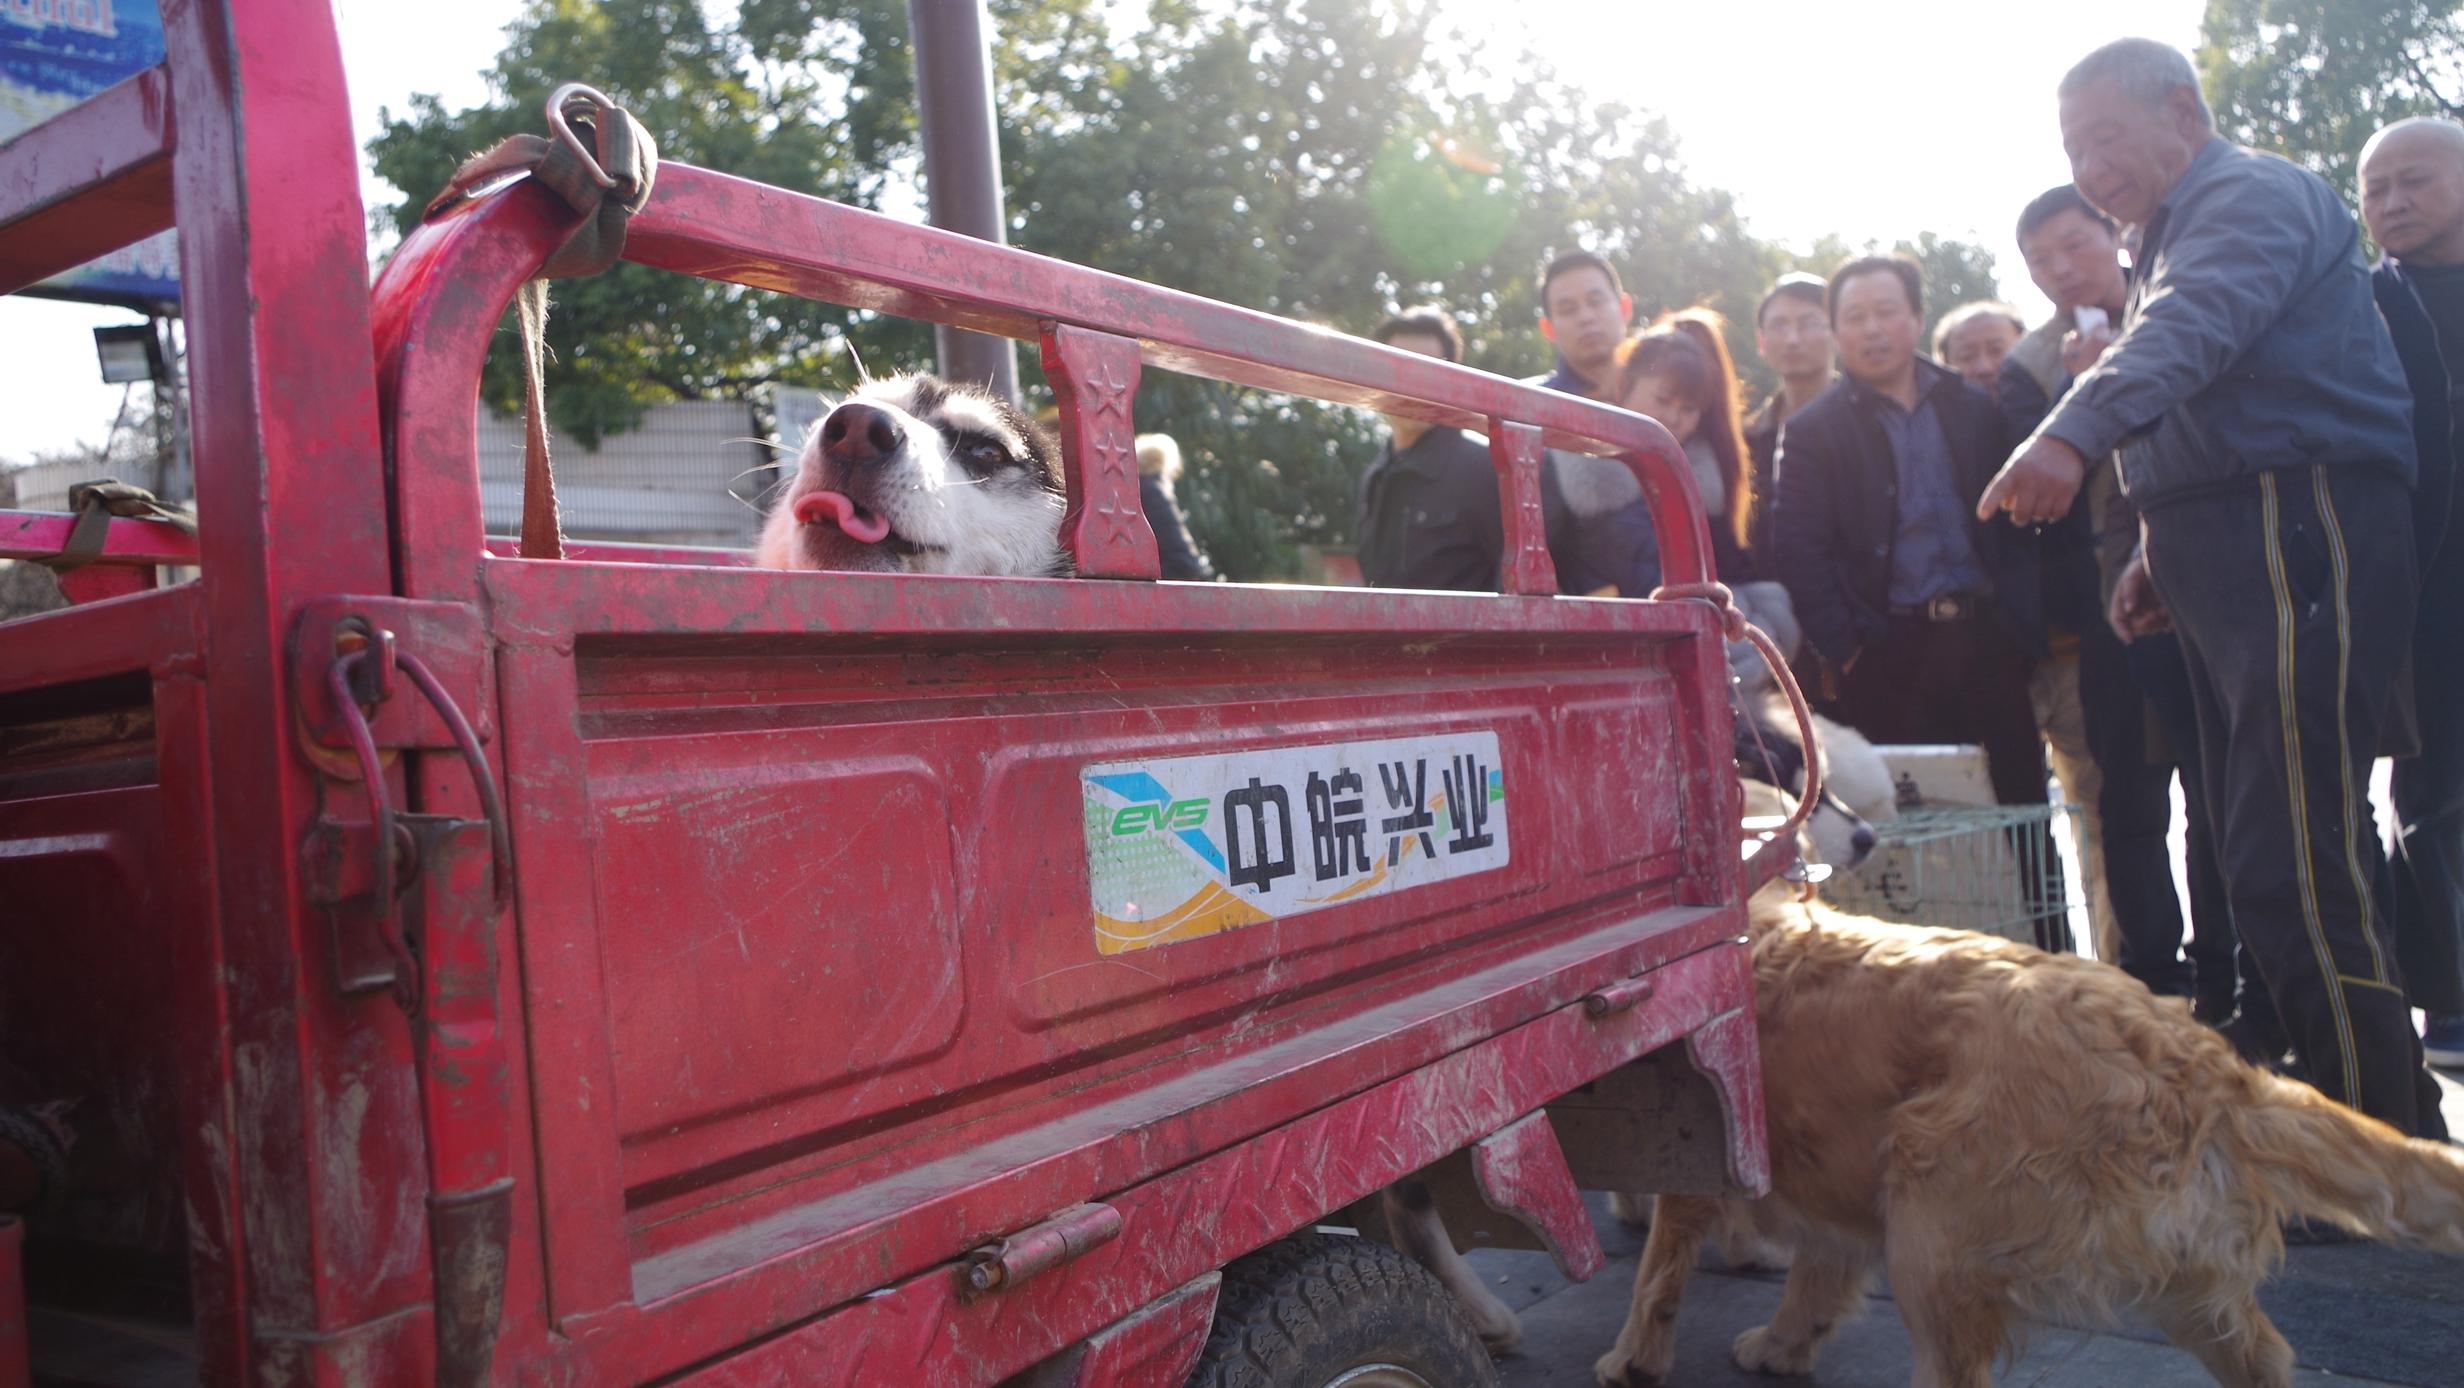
column 2251, row 341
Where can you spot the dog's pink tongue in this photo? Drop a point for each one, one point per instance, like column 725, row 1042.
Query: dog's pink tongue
column 813, row 508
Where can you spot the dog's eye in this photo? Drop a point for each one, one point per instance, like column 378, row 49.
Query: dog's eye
column 983, row 455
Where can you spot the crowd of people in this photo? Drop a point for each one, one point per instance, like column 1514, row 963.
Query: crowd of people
column 2201, row 521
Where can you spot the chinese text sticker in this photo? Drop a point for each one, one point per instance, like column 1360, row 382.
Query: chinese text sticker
column 1181, row 847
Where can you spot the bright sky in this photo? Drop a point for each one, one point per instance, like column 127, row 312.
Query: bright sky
column 1932, row 115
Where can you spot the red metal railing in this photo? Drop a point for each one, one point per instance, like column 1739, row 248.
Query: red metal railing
column 440, row 299
column 132, row 549
column 87, row 182
column 241, row 139
column 305, row 1178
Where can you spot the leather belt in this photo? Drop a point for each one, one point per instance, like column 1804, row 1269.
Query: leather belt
column 1949, row 607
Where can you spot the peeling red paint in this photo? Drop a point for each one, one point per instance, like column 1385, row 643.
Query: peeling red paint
column 795, row 1001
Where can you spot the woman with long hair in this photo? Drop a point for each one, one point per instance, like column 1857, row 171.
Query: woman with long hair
column 1679, row 373
column 1722, row 430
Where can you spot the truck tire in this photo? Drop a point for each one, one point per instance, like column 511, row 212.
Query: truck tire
column 1323, row 1311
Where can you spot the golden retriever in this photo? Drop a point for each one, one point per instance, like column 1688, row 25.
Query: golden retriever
column 2011, row 1134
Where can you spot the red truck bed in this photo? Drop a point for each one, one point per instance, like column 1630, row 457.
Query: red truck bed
column 855, row 922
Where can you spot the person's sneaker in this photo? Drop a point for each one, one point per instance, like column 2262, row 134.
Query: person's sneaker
column 2442, row 1040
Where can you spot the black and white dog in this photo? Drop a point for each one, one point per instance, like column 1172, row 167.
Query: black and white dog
column 912, row 474
column 1856, row 784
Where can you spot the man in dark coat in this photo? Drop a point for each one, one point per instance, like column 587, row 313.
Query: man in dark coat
column 1792, row 331
column 2073, row 254
column 1917, row 613
column 2412, row 197
column 1429, row 509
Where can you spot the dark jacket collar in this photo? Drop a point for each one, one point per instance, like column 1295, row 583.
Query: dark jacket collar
column 2203, row 165
column 1423, row 453
column 1932, row 379
column 2214, row 152
column 2397, row 269
column 1563, row 378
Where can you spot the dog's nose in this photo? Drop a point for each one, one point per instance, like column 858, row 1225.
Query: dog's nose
column 1862, row 841
column 859, row 433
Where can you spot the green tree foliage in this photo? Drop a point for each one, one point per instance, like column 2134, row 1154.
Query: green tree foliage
column 1956, row 272
column 2312, row 79
column 808, row 117
column 1325, row 160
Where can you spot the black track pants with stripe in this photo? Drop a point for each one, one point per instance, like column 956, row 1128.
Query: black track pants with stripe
column 2293, row 595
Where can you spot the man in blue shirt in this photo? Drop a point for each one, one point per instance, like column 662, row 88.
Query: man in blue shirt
column 1917, row 613
column 2266, row 438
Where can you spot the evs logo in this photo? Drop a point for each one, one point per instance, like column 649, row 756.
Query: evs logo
column 1139, row 819
column 1151, row 807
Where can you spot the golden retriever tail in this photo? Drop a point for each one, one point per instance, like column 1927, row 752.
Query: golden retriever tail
column 2323, row 1160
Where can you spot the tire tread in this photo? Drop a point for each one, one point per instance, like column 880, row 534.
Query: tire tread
column 1288, row 1297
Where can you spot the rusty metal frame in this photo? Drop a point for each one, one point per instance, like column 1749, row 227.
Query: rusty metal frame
column 303, row 1148
column 1250, row 1194
column 336, row 477
column 449, row 283
column 93, row 179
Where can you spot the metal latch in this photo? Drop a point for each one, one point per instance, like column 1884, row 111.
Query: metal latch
column 437, row 887
column 359, row 665
column 1005, row 1263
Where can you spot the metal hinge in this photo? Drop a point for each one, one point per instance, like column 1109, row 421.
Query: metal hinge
column 1620, row 996
column 1004, row 1263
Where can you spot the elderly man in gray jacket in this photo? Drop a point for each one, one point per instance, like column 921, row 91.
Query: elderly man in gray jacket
column 2264, row 429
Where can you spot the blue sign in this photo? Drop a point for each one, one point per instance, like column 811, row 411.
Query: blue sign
column 54, row 54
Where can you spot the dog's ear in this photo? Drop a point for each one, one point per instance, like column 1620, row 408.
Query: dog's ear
column 1767, row 757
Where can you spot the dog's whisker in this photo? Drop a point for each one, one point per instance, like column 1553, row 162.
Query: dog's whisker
column 759, row 504
column 772, row 444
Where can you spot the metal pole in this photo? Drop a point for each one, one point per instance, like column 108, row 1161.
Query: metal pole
column 962, row 162
column 179, row 479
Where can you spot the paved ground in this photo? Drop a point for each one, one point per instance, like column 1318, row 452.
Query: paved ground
column 2357, row 1314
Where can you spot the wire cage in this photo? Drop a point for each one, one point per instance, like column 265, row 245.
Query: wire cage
column 1988, row 868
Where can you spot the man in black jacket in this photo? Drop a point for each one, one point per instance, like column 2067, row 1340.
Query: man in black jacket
column 1917, row 613
column 1792, row 331
column 2266, row 437
column 1429, row 513
column 2412, row 197
column 2073, row 254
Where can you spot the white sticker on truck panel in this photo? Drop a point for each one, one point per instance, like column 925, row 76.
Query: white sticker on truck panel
column 1179, row 847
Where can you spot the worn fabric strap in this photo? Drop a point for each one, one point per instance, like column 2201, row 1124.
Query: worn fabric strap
column 543, row 535
column 601, row 161
column 96, row 503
